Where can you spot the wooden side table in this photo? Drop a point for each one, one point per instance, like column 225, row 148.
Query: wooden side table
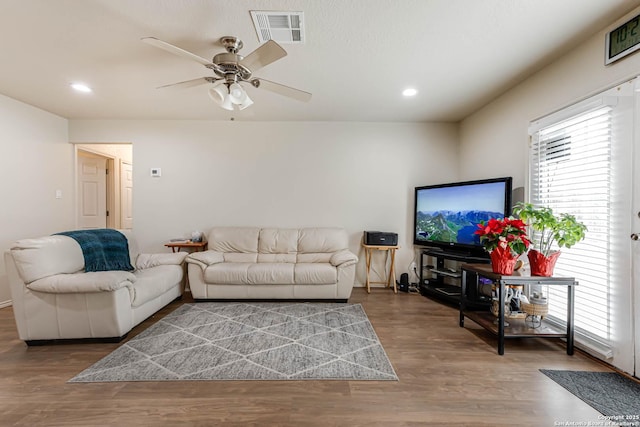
column 187, row 244
column 391, row 253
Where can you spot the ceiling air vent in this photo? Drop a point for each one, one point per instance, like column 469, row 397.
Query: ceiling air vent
column 282, row 27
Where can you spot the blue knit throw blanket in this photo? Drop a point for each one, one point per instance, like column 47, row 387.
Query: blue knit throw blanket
column 103, row 249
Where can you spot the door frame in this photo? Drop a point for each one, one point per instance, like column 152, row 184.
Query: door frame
column 112, row 185
column 635, row 228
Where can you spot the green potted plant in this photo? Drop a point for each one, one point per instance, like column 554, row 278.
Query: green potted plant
column 550, row 230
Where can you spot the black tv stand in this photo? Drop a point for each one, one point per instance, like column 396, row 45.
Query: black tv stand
column 433, row 283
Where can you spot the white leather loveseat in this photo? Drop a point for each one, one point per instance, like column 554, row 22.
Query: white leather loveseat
column 273, row 263
column 54, row 298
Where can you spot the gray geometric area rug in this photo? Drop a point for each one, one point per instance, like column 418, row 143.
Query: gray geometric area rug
column 250, row 341
column 609, row 393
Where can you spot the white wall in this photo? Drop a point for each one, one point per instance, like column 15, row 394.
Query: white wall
column 496, row 137
column 36, row 159
column 359, row 176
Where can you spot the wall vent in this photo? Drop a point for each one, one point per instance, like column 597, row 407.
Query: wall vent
column 282, row 27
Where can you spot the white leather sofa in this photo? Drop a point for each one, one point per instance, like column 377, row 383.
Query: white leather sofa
column 54, row 299
column 273, row 263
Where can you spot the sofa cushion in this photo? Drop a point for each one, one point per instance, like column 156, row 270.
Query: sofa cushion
column 234, row 239
column 315, row 274
column 231, row 273
column 278, row 245
column 46, row 256
column 271, row 274
column 250, row 273
column 152, row 282
column 318, row 240
column 278, row 241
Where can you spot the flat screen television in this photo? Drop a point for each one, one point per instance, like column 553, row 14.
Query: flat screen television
column 446, row 216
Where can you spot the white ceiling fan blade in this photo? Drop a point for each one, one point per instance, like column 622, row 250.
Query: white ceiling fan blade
column 263, row 56
column 189, row 83
column 280, row 89
column 175, row 50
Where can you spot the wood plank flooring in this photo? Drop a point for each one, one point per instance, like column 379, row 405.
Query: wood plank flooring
column 449, row 376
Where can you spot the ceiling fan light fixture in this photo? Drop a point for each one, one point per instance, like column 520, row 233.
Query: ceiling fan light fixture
column 231, row 68
column 237, row 93
column 227, row 104
column 217, row 94
column 220, row 96
column 247, row 102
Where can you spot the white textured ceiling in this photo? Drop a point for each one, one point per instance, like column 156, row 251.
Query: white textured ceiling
column 358, row 56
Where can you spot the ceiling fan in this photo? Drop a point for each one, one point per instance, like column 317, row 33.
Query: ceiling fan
column 231, row 69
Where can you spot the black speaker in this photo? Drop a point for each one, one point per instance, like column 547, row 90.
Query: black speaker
column 403, row 285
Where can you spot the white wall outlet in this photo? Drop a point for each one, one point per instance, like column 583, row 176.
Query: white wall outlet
column 58, row 194
column 156, row 172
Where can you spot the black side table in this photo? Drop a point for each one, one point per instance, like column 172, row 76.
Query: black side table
column 517, row 327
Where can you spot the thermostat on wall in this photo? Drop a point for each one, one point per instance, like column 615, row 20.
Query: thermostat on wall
column 156, row 172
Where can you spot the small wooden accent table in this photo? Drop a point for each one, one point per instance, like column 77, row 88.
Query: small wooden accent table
column 391, row 253
column 187, row 244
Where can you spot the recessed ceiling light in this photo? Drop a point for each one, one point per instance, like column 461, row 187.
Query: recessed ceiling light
column 80, row 87
column 409, row 92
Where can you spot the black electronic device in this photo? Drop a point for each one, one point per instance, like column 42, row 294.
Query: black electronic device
column 446, row 216
column 403, row 284
column 380, row 238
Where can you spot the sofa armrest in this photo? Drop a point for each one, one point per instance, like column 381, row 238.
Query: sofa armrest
column 343, row 258
column 153, row 260
column 206, row 258
column 95, row 281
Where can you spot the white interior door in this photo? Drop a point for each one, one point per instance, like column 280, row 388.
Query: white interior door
column 92, row 191
column 126, row 195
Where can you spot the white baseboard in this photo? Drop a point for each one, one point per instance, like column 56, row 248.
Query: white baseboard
column 4, row 304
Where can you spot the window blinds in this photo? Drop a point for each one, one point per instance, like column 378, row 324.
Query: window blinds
column 571, row 170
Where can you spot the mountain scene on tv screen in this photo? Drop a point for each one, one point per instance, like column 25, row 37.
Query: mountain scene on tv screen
column 453, row 227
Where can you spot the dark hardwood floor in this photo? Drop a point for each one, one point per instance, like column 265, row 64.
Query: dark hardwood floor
column 448, row 376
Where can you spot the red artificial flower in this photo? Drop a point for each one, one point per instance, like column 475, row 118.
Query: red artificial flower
column 504, row 234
